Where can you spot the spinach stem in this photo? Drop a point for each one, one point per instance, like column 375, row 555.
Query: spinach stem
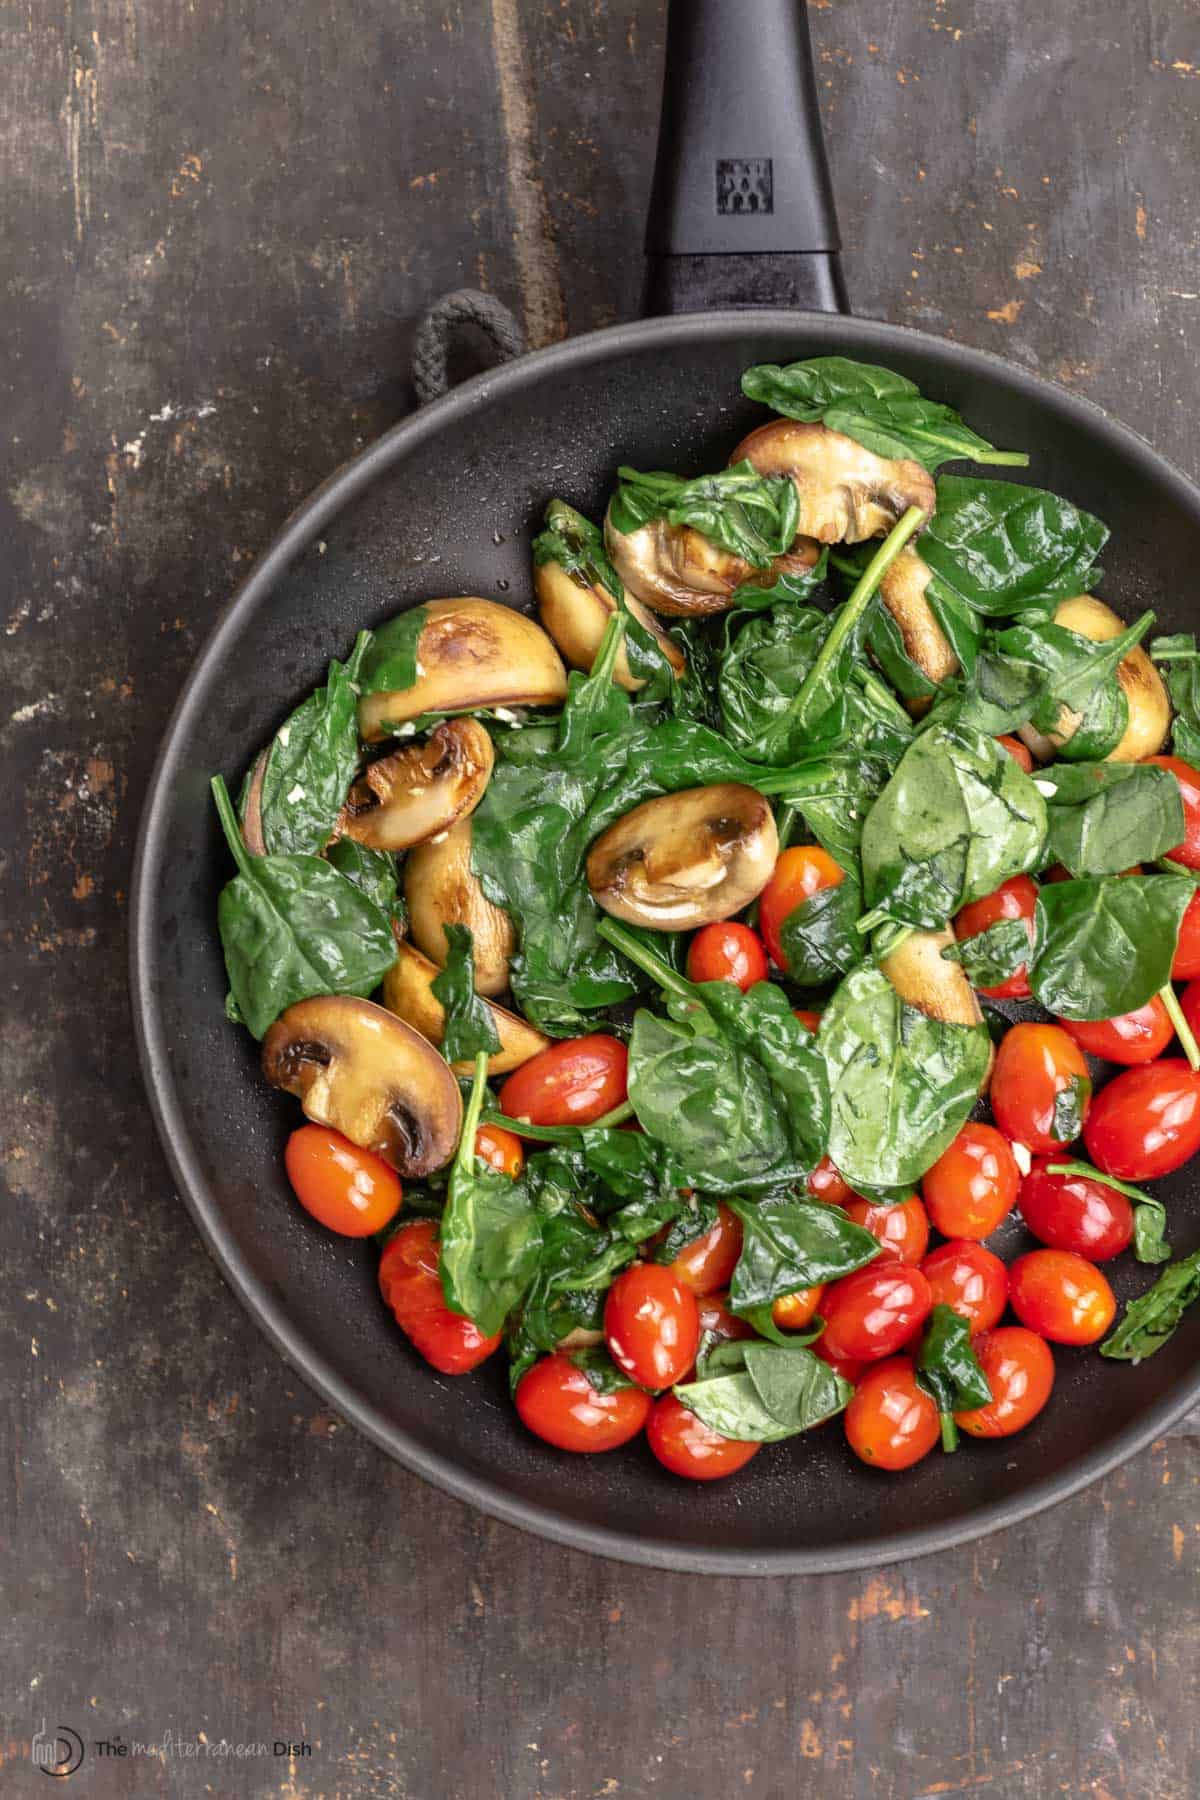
column 646, row 961
column 464, row 1156
column 789, row 812
column 1076, row 1167
column 882, row 697
column 229, row 824
column 556, row 1134
column 949, row 1433
column 1183, row 1030
column 1003, row 459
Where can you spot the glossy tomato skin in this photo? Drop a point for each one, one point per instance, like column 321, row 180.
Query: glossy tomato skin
column 687, row 1446
column 1136, row 1037
column 411, row 1286
column 1019, row 1366
column 558, row 1403
column 1060, row 1296
column 500, row 1150
column 347, row 1189
column 850, row 1368
column 1035, row 1064
column 1187, row 853
column 706, row 1265
column 727, row 951
column 870, row 1314
column 652, row 1325
column 1015, row 899
column 972, row 1187
column 903, row 1230
column 808, row 1018
column 1146, row 1122
column 1186, row 965
column 826, row 1184
column 792, row 1312
column 572, row 1083
column 1074, row 1212
column 716, row 1317
column 799, row 873
column 1189, row 1000
column 1019, row 752
column 891, row 1423
column 971, row 1279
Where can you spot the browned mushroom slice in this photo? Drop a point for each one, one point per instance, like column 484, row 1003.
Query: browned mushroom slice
column 685, row 859
column 471, row 653
column 1141, row 683
column 923, row 977
column 441, row 888
column 575, row 613
column 846, row 492
column 252, row 826
column 408, row 992
column 678, row 571
column 925, row 643
column 409, row 796
column 355, row 1066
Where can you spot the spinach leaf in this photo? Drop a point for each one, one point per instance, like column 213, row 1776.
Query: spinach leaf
column 390, row 663
column 796, row 587
column 1104, row 946
column 697, row 1216
column 469, row 1028
column 949, row 1370
column 1149, row 1215
column 792, row 1244
column 901, row 1083
column 993, row 955
column 1070, row 1108
column 572, row 541
column 1152, row 1319
column 600, row 1369
column 754, row 516
column 491, row 1234
column 1103, row 817
column 291, row 927
column 372, row 871
column 1029, row 672
column 1180, row 662
column 876, row 407
column 998, row 547
column 763, row 1393
column 819, row 938
column 311, row 763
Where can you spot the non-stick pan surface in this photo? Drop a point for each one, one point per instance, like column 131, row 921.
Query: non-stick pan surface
column 444, row 504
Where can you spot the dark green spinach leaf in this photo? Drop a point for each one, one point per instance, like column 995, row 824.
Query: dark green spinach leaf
column 373, row 871
column 1149, row 1321
column 994, row 955
column 792, row 1244
column 390, row 663
column 762, row 1393
column 949, row 1370
column 1149, row 1215
column 1180, row 662
column 469, row 1027
column 999, row 547
column 311, row 763
column 491, row 1233
column 1104, row 817
column 751, row 515
column 1104, row 946
column 572, row 541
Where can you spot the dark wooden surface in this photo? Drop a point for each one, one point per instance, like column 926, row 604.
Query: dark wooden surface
column 219, row 224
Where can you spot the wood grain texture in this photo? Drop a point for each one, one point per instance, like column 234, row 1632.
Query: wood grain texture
column 218, row 226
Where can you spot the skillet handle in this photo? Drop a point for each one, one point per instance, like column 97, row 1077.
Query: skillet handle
column 741, row 209
column 441, row 327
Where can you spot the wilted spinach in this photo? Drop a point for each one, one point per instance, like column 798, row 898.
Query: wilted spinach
column 790, row 1244
column 751, row 515
column 469, row 1026
column 999, row 547
column 1149, row 1215
column 1104, row 946
column 994, row 955
column 1104, row 817
column 819, row 938
column 1027, row 673
column 949, row 1370
column 762, row 1393
column 311, row 763
column 1180, row 662
column 373, row 871
column 390, row 663
column 572, row 541
column 1152, row 1319
column 491, row 1233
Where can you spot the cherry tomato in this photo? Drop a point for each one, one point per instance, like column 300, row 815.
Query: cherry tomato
column 970, row 1279
column 687, row 1446
column 799, row 873
column 1074, row 1212
column 1136, row 1037
column 1040, row 1088
column 727, row 952
column 1019, row 752
column 792, row 1312
column 871, row 1313
column 892, row 1423
column 716, row 1317
column 1189, row 1001
column 826, row 1184
column 1061, row 1297
column 850, row 1368
column 903, row 1230
column 500, row 1150
column 707, row 1263
column 1015, row 899
column 1186, row 965
column 557, row 1402
column 1146, row 1122
column 652, row 1325
column 1187, row 853
column 1019, row 1366
column 410, row 1283
column 349, row 1190
column 808, row 1018
column 572, row 1083
column 972, row 1187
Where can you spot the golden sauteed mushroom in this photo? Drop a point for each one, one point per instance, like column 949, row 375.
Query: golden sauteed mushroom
column 846, row 492
column 923, row 977
column 441, row 888
column 903, row 593
column 685, row 859
column 575, row 613
column 676, row 570
column 411, row 795
column 1141, row 683
column 252, row 830
column 408, row 992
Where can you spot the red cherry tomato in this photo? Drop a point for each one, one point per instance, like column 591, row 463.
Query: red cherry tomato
column 1146, row 1122
column 1061, row 1297
column 1074, row 1212
column 687, row 1446
column 850, row 1368
column 727, row 952
column 572, row 1083
column 1019, row 1366
column 972, row 1187
column 716, row 1317
column 1015, row 899
column 792, row 1312
column 892, row 1423
column 1189, row 1001
column 1136, row 1037
column 970, row 1279
column 871, row 1313
column 347, row 1189
column 799, row 873
column 1019, row 752
column 1186, row 965
column 652, row 1325
column 500, row 1150
column 903, row 1230
column 557, row 1402
column 410, row 1284
column 826, row 1184
column 808, row 1018
column 1187, row 853
column 707, row 1263
column 1040, row 1087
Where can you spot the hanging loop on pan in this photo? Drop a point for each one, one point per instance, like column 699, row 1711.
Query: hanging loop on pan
column 437, row 331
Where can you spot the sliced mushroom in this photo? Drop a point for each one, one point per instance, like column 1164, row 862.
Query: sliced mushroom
column 685, row 859
column 846, row 492
column 409, row 796
column 921, row 975
column 408, row 992
column 676, row 570
column 471, row 653
column 355, row 1066
column 1141, row 683
column 252, row 826
column 926, row 644
column 441, row 888
column 575, row 613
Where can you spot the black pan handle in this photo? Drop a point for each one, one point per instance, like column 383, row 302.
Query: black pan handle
column 741, row 210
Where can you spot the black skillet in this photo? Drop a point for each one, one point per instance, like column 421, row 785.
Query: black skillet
column 443, row 504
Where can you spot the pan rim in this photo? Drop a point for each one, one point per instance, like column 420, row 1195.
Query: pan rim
column 343, row 486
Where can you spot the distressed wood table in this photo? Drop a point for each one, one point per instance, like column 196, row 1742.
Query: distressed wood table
column 220, row 222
